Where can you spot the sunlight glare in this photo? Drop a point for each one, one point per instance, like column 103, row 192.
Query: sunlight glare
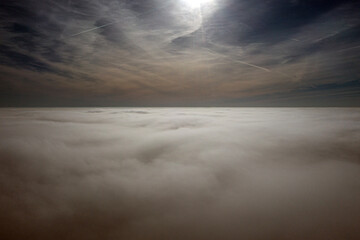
column 196, row 3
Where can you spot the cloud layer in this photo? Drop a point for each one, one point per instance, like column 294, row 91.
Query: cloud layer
column 218, row 173
column 165, row 53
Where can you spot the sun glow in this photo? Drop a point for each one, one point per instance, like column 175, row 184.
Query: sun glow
column 196, row 3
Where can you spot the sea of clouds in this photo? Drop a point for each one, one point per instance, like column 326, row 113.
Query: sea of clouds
column 180, row 173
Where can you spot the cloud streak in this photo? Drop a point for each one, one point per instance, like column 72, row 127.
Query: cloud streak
column 92, row 29
column 174, row 49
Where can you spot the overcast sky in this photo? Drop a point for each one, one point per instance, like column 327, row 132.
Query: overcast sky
column 179, row 53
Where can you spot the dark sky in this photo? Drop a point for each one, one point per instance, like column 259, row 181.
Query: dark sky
column 179, row 53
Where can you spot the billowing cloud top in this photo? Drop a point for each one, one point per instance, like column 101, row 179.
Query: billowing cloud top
column 178, row 52
column 194, row 174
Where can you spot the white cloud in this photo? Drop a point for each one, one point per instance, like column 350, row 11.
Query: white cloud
column 196, row 173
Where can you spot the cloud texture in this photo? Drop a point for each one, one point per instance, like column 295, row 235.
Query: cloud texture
column 167, row 53
column 218, row 173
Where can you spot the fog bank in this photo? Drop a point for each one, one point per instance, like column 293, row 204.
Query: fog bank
column 180, row 173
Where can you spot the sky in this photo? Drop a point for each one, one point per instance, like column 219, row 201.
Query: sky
column 179, row 53
column 180, row 173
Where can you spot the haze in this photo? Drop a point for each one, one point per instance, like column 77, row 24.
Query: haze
column 180, row 173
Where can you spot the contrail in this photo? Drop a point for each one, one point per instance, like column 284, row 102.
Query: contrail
column 66, row 8
column 346, row 49
column 253, row 65
column 239, row 61
column 108, row 24
column 95, row 28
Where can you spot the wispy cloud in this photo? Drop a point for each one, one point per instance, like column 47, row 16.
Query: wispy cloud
column 164, row 46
